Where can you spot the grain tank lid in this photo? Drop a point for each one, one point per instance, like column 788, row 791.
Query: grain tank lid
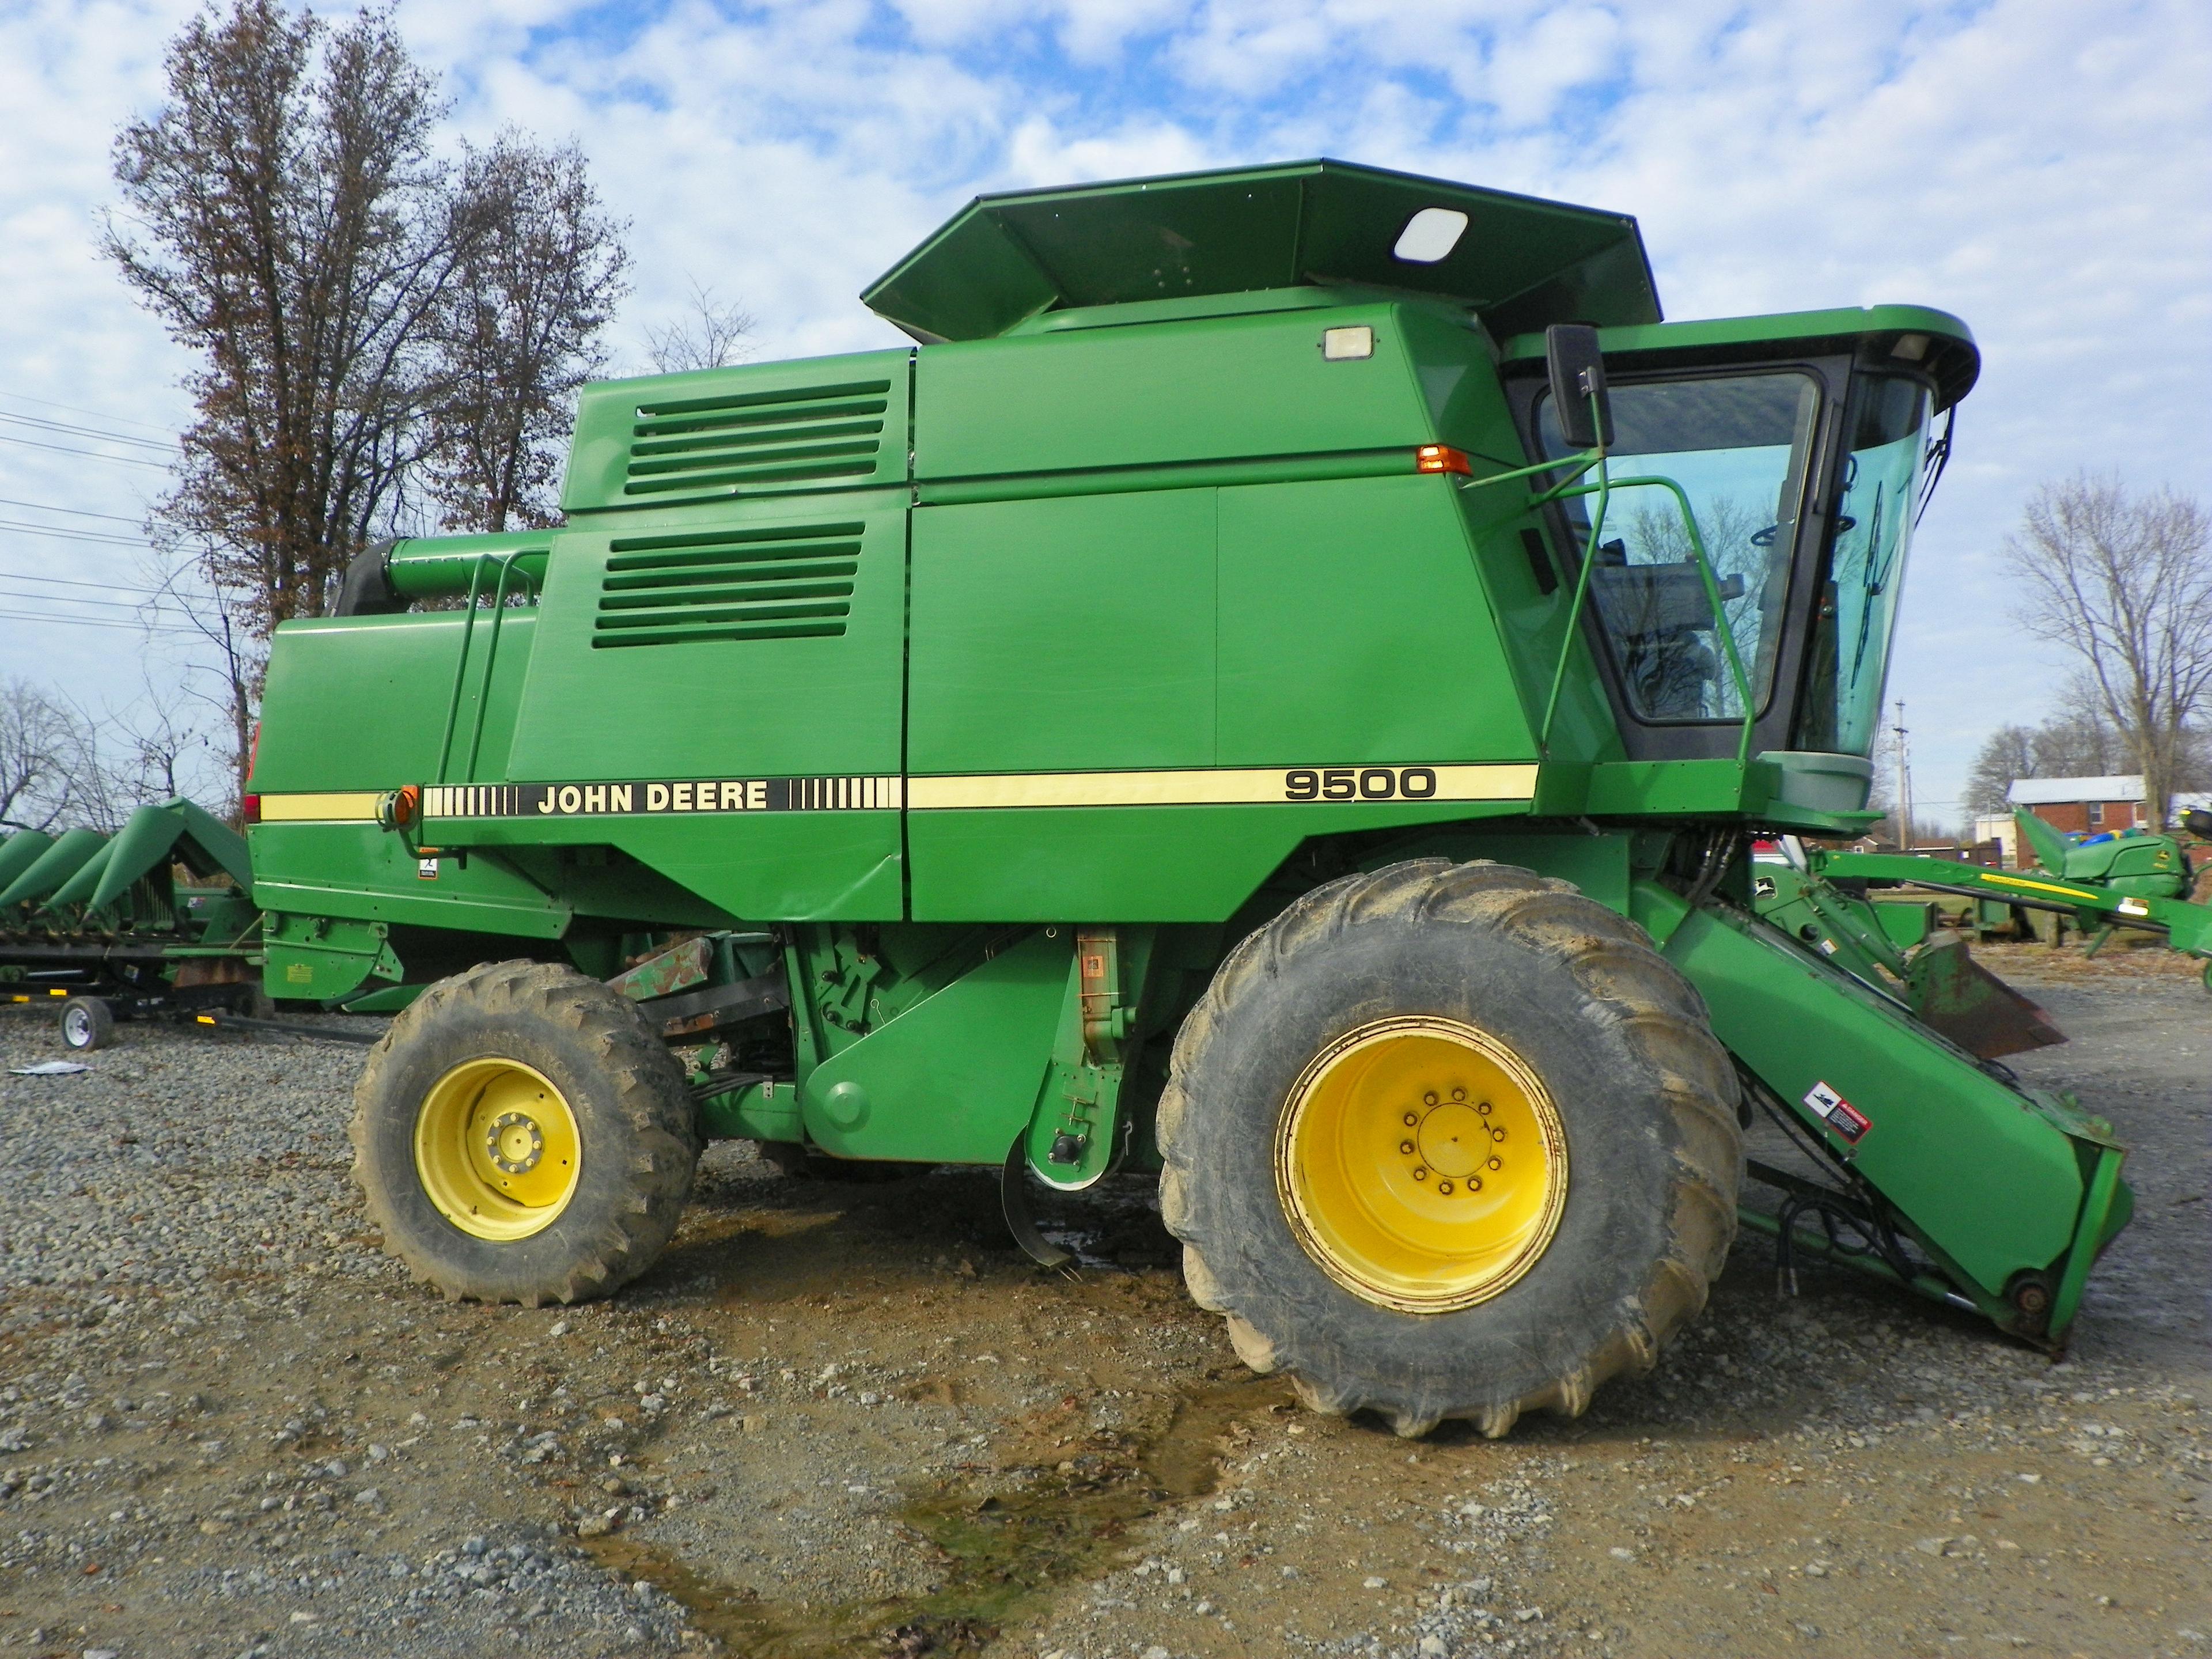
column 1520, row 262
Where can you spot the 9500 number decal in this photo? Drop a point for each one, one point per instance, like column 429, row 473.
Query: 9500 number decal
column 1359, row 783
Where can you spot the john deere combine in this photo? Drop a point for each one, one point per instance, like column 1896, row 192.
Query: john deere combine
column 1277, row 687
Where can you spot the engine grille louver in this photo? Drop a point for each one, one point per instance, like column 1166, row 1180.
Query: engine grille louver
column 729, row 585
column 762, row 440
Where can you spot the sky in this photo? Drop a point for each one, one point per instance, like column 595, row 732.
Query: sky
column 2043, row 169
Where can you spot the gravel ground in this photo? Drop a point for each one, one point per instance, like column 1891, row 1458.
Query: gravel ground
column 848, row 1419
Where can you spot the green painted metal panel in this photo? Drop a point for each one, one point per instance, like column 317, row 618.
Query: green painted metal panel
column 444, row 567
column 768, row 646
column 20, row 852
column 955, row 1078
column 812, row 866
column 1521, row 261
column 1980, row 1169
column 319, row 958
column 761, row 1111
column 1236, row 386
column 1597, row 864
column 1355, row 626
column 1932, row 340
column 358, row 871
column 157, row 834
column 1129, row 863
column 80, row 885
column 758, row 430
column 1068, row 634
column 47, row 873
column 386, row 683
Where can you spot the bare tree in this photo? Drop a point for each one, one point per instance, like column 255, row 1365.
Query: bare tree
column 2124, row 582
column 292, row 226
column 710, row 333
column 40, row 756
column 2079, row 744
column 381, row 335
column 2006, row 755
column 537, row 283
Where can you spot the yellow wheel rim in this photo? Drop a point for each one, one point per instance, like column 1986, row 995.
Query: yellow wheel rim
column 1422, row 1165
column 496, row 1148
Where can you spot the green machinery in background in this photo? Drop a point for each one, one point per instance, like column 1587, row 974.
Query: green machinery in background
column 1277, row 685
column 99, row 926
column 2133, row 881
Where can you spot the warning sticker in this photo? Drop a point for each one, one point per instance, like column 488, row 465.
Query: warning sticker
column 1835, row 1112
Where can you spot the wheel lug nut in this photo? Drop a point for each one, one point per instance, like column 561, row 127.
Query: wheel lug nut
column 1458, row 1094
column 1484, row 1108
column 1444, row 1186
column 1411, row 1118
column 1406, row 1147
column 1420, row 1172
column 1430, row 1098
column 1474, row 1183
column 1497, row 1135
column 1497, row 1163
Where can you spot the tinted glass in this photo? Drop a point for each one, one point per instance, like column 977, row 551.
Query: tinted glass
column 1737, row 445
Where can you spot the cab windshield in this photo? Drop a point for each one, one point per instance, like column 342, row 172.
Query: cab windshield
column 1857, row 611
column 1737, row 444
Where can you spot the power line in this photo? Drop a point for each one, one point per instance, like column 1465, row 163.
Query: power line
column 63, row 581
column 127, row 460
column 96, row 621
column 74, row 511
column 136, row 607
column 99, row 537
column 97, row 414
column 45, row 425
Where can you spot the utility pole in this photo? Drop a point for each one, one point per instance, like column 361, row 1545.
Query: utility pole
column 1904, row 785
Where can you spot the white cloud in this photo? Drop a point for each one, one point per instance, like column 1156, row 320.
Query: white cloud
column 2036, row 167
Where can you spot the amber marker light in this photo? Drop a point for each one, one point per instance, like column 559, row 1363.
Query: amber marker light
column 1441, row 457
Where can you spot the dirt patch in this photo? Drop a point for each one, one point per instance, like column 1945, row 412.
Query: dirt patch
column 844, row 1420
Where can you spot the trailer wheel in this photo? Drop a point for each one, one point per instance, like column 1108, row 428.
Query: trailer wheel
column 1449, row 1140
column 522, row 1135
column 87, row 1023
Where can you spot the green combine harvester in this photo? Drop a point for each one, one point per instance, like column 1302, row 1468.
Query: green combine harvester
column 1277, row 687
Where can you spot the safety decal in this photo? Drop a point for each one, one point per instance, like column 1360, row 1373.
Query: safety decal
column 1835, row 1112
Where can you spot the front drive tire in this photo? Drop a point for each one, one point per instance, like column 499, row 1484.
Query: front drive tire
column 521, row 1135
column 1449, row 1140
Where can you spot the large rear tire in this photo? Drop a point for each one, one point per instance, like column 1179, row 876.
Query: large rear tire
column 521, row 1134
column 1449, row 1140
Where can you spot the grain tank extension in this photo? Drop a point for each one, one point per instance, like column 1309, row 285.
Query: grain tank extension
column 1277, row 686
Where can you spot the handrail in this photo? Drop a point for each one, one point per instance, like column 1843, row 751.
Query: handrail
column 506, row 567
column 1567, row 489
column 1705, row 574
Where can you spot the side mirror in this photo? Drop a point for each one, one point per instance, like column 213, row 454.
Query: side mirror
column 1578, row 375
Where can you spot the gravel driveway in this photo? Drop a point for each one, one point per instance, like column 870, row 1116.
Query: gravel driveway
column 849, row 1418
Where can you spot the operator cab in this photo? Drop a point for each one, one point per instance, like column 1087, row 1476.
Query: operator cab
column 1802, row 446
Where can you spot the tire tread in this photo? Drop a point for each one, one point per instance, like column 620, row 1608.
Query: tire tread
column 1658, row 1010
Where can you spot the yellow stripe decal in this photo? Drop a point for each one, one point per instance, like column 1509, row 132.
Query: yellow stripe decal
column 1223, row 786
column 2039, row 886
column 1196, row 786
column 319, row 809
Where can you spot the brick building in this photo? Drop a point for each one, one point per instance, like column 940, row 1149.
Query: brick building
column 2083, row 806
